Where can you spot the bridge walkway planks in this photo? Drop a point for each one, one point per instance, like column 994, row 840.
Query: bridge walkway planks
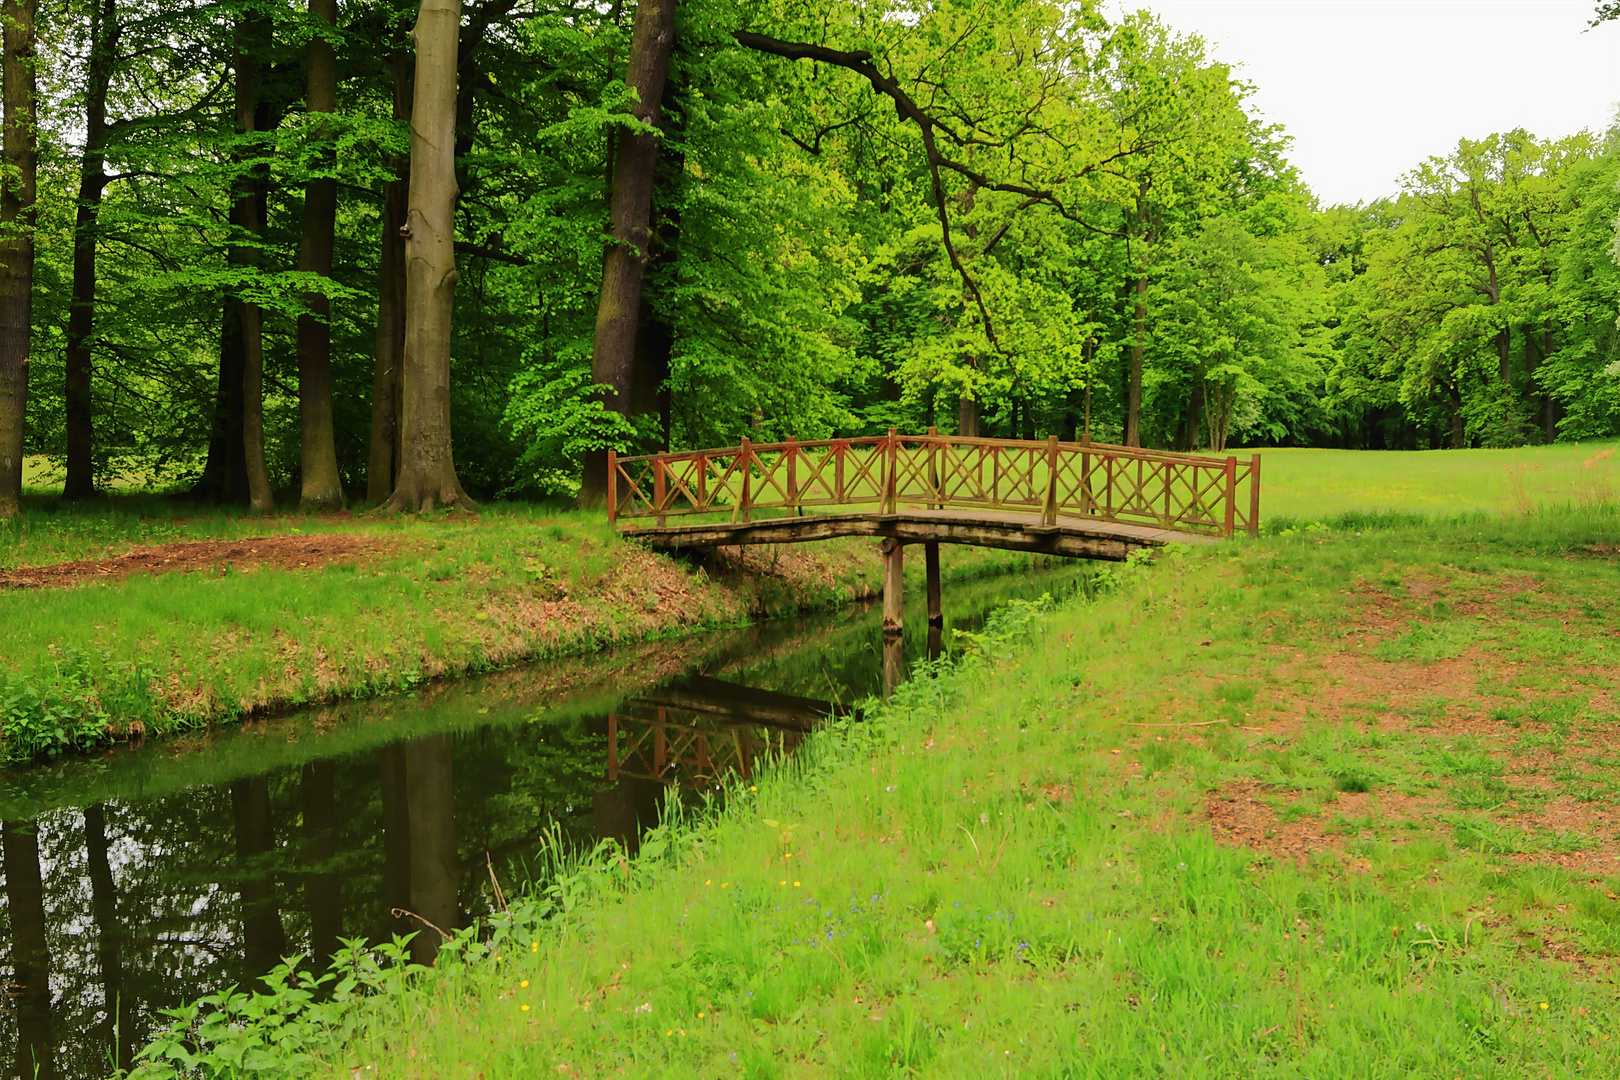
column 1071, row 535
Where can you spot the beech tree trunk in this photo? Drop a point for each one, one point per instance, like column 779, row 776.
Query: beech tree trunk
column 81, row 482
column 249, row 322
column 30, row 989
column 624, row 268
column 427, row 473
column 264, row 941
column 967, row 418
column 118, row 1031
column 435, row 867
column 322, row 487
column 322, row 888
column 386, row 383
column 1133, row 405
column 19, row 153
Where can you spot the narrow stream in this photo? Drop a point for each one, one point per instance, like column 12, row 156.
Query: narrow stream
column 148, row 877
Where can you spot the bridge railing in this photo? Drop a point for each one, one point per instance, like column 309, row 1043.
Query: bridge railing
column 1215, row 496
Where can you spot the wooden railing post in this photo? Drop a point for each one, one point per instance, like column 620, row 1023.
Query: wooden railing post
column 1254, row 496
column 1049, row 510
column 658, row 489
column 1231, row 497
column 747, row 506
column 934, row 498
column 890, row 496
column 613, row 487
column 793, row 478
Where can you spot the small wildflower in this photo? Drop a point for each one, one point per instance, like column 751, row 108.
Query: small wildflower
column 534, row 946
column 709, row 882
column 700, row 1016
column 725, row 884
column 781, row 883
column 525, row 1008
column 751, row 787
column 795, row 884
column 524, row 984
column 1543, row 1004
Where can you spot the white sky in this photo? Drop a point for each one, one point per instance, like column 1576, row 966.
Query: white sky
column 1369, row 88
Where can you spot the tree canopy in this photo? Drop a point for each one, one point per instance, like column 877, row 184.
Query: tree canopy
column 682, row 222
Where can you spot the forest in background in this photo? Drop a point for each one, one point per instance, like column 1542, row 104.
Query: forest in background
column 1009, row 219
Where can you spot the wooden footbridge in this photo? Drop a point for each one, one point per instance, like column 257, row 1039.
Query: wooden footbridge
column 1082, row 499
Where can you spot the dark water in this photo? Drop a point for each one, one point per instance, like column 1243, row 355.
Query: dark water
column 149, row 877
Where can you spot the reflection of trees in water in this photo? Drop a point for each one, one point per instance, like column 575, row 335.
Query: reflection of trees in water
column 158, row 902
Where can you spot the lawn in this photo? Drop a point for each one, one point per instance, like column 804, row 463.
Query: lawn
column 1312, row 485
column 159, row 620
column 1328, row 804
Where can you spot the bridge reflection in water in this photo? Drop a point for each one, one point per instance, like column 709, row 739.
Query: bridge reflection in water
column 693, row 734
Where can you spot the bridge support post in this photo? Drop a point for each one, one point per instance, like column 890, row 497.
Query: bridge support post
column 894, row 661
column 936, row 609
column 893, row 567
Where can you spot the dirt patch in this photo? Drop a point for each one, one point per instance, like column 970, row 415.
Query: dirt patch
column 1240, row 815
column 286, row 552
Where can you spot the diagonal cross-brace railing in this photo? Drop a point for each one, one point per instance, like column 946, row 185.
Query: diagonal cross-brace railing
column 1211, row 496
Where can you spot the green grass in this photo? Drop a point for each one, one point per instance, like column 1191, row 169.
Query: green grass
column 1317, row 485
column 1009, row 872
column 440, row 596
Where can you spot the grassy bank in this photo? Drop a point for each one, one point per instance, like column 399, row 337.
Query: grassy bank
column 1325, row 805
column 150, row 623
column 1315, row 485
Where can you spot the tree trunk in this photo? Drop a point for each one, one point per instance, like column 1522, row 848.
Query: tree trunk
column 1549, row 403
column 264, row 942
column 652, row 39
column 427, row 470
column 967, row 418
column 17, row 248
column 322, row 889
column 1133, row 405
column 385, row 384
column 30, row 989
column 249, row 323
column 81, row 482
column 435, row 867
column 118, row 1031
column 1457, row 439
column 322, row 487
column 396, row 836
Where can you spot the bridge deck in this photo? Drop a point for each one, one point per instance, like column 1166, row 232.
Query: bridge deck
column 1072, row 535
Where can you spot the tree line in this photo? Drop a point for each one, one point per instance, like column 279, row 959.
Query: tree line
column 366, row 251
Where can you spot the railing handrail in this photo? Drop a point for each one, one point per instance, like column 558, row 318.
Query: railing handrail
column 1191, row 492
column 1115, row 449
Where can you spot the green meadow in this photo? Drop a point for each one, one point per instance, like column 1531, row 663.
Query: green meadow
column 1333, row 803
column 1310, row 484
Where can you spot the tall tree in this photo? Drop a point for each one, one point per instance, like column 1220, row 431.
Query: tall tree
column 427, row 470
column 30, row 950
column 80, row 482
column 624, row 267
column 322, row 487
column 17, row 218
column 383, row 458
column 251, row 34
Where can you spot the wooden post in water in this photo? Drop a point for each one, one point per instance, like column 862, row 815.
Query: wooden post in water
column 936, row 610
column 893, row 656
